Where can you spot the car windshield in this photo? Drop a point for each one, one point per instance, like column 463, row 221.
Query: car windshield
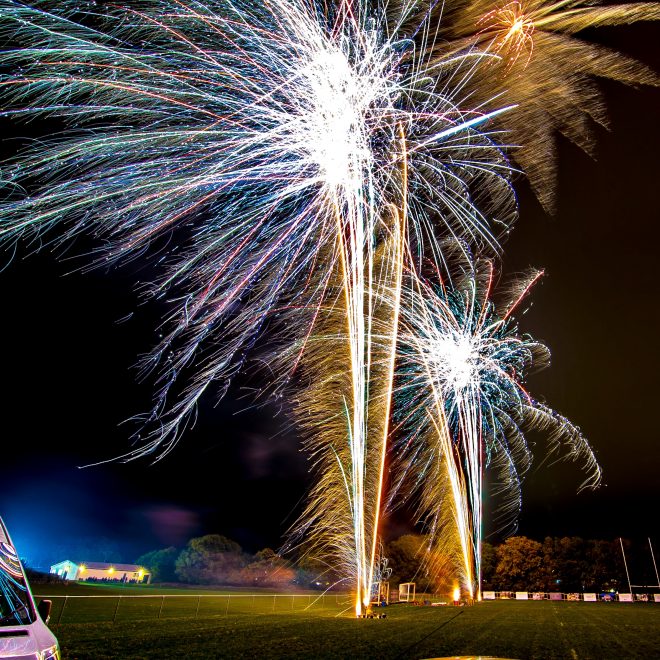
column 15, row 605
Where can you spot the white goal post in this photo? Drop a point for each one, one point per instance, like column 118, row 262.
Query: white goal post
column 407, row 592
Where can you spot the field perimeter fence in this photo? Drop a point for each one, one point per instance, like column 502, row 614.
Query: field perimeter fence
column 581, row 596
column 119, row 607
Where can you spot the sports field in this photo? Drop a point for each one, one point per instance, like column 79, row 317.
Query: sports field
column 240, row 625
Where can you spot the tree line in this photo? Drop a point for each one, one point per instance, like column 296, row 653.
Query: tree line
column 215, row 559
column 566, row 564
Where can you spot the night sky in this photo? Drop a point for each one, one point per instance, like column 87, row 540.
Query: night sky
column 70, row 341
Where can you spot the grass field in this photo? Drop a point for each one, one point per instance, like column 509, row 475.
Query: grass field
column 281, row 627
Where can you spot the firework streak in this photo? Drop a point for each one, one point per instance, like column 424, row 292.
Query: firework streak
column 303, row 166
column 545, row 69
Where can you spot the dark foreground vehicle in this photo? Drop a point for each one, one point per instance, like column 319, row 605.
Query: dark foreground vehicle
column 23, row 631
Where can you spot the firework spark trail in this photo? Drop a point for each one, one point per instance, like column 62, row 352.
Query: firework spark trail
column 462, row 373
column 345, row 410
column 276, row 141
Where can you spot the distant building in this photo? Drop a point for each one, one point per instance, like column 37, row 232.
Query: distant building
column 97, row 571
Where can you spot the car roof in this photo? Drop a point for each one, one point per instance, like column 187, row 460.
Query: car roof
column 4, row 535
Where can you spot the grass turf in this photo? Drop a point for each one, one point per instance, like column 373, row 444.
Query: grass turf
column 501, row 628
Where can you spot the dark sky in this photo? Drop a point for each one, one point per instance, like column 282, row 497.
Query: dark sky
column 68, row 381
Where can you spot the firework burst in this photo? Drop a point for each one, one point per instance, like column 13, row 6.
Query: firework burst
column 547, row 67
column 463, row 365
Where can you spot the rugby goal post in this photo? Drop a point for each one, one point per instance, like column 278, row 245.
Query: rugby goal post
column 407, row 592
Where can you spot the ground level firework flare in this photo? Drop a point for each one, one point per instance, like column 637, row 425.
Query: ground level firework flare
column 316, row 167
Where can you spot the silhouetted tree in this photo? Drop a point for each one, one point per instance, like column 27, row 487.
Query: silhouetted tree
column 549, row 573
column 519, row 565
column 570, row 563
column 267, row 570
column 408, row 558
column 316, row 574
column 488, row 565
column 211, row 559
column 161, row 564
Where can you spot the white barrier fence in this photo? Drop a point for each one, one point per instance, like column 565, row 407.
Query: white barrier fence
column 585, row 597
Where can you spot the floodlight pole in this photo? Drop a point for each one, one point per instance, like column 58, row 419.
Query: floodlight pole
column 654, row 564
column 625, row 564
